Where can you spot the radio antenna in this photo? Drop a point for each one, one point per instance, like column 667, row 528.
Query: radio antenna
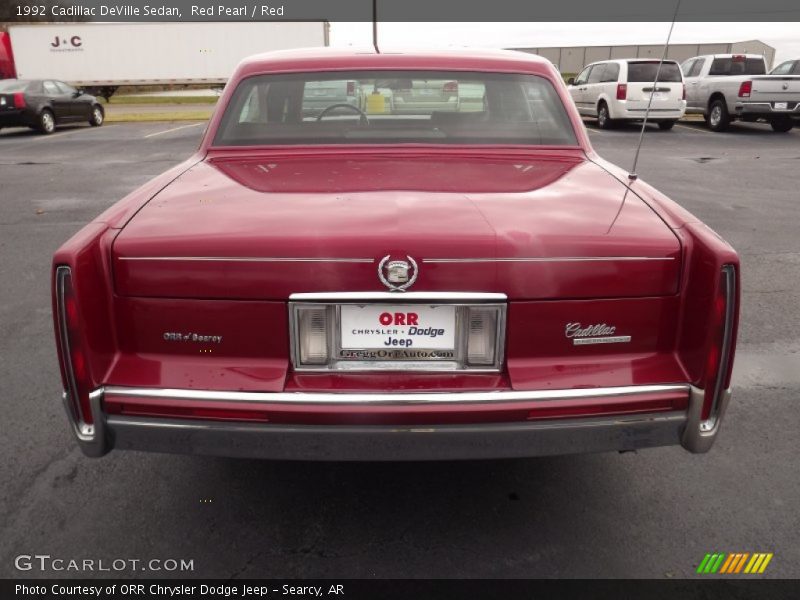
column 632, row 176
column 375, row 26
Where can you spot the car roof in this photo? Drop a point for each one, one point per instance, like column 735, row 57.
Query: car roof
column 462, row 59
column 727, row 55
column 618, row 61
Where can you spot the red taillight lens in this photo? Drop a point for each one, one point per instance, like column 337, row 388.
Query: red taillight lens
column 622, row 91
column 745, row 89
column 19, row 100
column 450, row 87
column 74, row 364
column 351, row 88
column 721, row 325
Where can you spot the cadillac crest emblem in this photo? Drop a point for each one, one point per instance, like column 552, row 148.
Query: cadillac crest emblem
column 397, row 275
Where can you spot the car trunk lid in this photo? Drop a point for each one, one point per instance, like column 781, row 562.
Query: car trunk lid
column 264, row 227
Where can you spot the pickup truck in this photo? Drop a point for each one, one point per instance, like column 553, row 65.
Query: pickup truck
column 726, row 87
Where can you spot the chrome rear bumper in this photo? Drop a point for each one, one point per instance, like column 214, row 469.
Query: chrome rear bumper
column 396, row 443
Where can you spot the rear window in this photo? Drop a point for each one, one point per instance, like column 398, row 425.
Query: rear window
column 738, row 66
column 646, row 72
column 394, row 107
column 13, row 85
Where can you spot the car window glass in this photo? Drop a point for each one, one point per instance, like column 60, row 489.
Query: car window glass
column 783, row 68
column 64, row 88
column 645, row 72
column 390, row 107
column 254, row 107
column 50, row 88
column 687, row 67
column 737, row 66
column 697, row 67
column 611, row 72
column 580, row 79
column 596, row 76
column 796, row 68
column 14, row 85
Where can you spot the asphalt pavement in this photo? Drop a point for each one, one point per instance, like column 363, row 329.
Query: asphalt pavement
column 654, row 513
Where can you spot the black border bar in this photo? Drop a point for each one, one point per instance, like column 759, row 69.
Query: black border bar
column 408, row 589
column 402, row 10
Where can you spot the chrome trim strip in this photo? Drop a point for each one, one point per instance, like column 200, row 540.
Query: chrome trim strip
column 257, row 259
column 393, row 398
column 399, row 296
column 615, row 339
column 279, row 259
column 547, row 259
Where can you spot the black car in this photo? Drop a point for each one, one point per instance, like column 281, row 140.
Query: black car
column 45, row 103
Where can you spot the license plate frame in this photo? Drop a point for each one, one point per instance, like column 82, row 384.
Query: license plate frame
column 345, row 357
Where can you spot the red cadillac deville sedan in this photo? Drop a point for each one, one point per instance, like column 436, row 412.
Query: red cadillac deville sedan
column 399, row 256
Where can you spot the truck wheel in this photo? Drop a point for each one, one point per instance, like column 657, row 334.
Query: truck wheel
column 666, row 125
column 781, row 124
column 47, row 122
column 604, row 120
column 98, row 116
column 718, row 117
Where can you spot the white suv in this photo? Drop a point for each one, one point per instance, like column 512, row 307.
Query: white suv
column 619, row 90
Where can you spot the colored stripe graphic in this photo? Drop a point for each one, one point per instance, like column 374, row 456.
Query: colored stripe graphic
column 743, row 557
column 766, row 562
column 701, row 567
column 718, row 563
column 735, row 563
column 727, row 564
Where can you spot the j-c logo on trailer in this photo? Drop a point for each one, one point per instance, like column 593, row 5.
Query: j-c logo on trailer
column 75, row 41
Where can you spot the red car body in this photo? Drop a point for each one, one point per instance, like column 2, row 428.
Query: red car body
column 561, row 242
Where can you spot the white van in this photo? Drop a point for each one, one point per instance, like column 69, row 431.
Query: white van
column 619, row 90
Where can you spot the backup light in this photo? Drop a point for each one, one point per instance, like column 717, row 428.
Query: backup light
column 312, row 335
column 482, row 335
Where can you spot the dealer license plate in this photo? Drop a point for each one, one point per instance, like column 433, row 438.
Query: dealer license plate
column 397, row 332
column 781, row 105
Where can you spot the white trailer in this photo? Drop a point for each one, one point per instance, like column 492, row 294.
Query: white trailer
column 104, row 56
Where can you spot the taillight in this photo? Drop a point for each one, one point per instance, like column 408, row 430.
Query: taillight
column 622, row 91
column 351, row 88
column 745, row 89
column 19, row 100
column 683, row 92
column 450, row 87
column 719, row 363
column 74, row 362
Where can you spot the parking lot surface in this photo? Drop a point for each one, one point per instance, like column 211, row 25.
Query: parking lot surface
column 654, row 513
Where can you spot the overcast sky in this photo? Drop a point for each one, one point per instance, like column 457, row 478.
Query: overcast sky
column 785, row 37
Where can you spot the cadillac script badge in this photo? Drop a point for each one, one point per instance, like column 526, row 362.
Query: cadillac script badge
column 593, row 334
column 397, row 275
